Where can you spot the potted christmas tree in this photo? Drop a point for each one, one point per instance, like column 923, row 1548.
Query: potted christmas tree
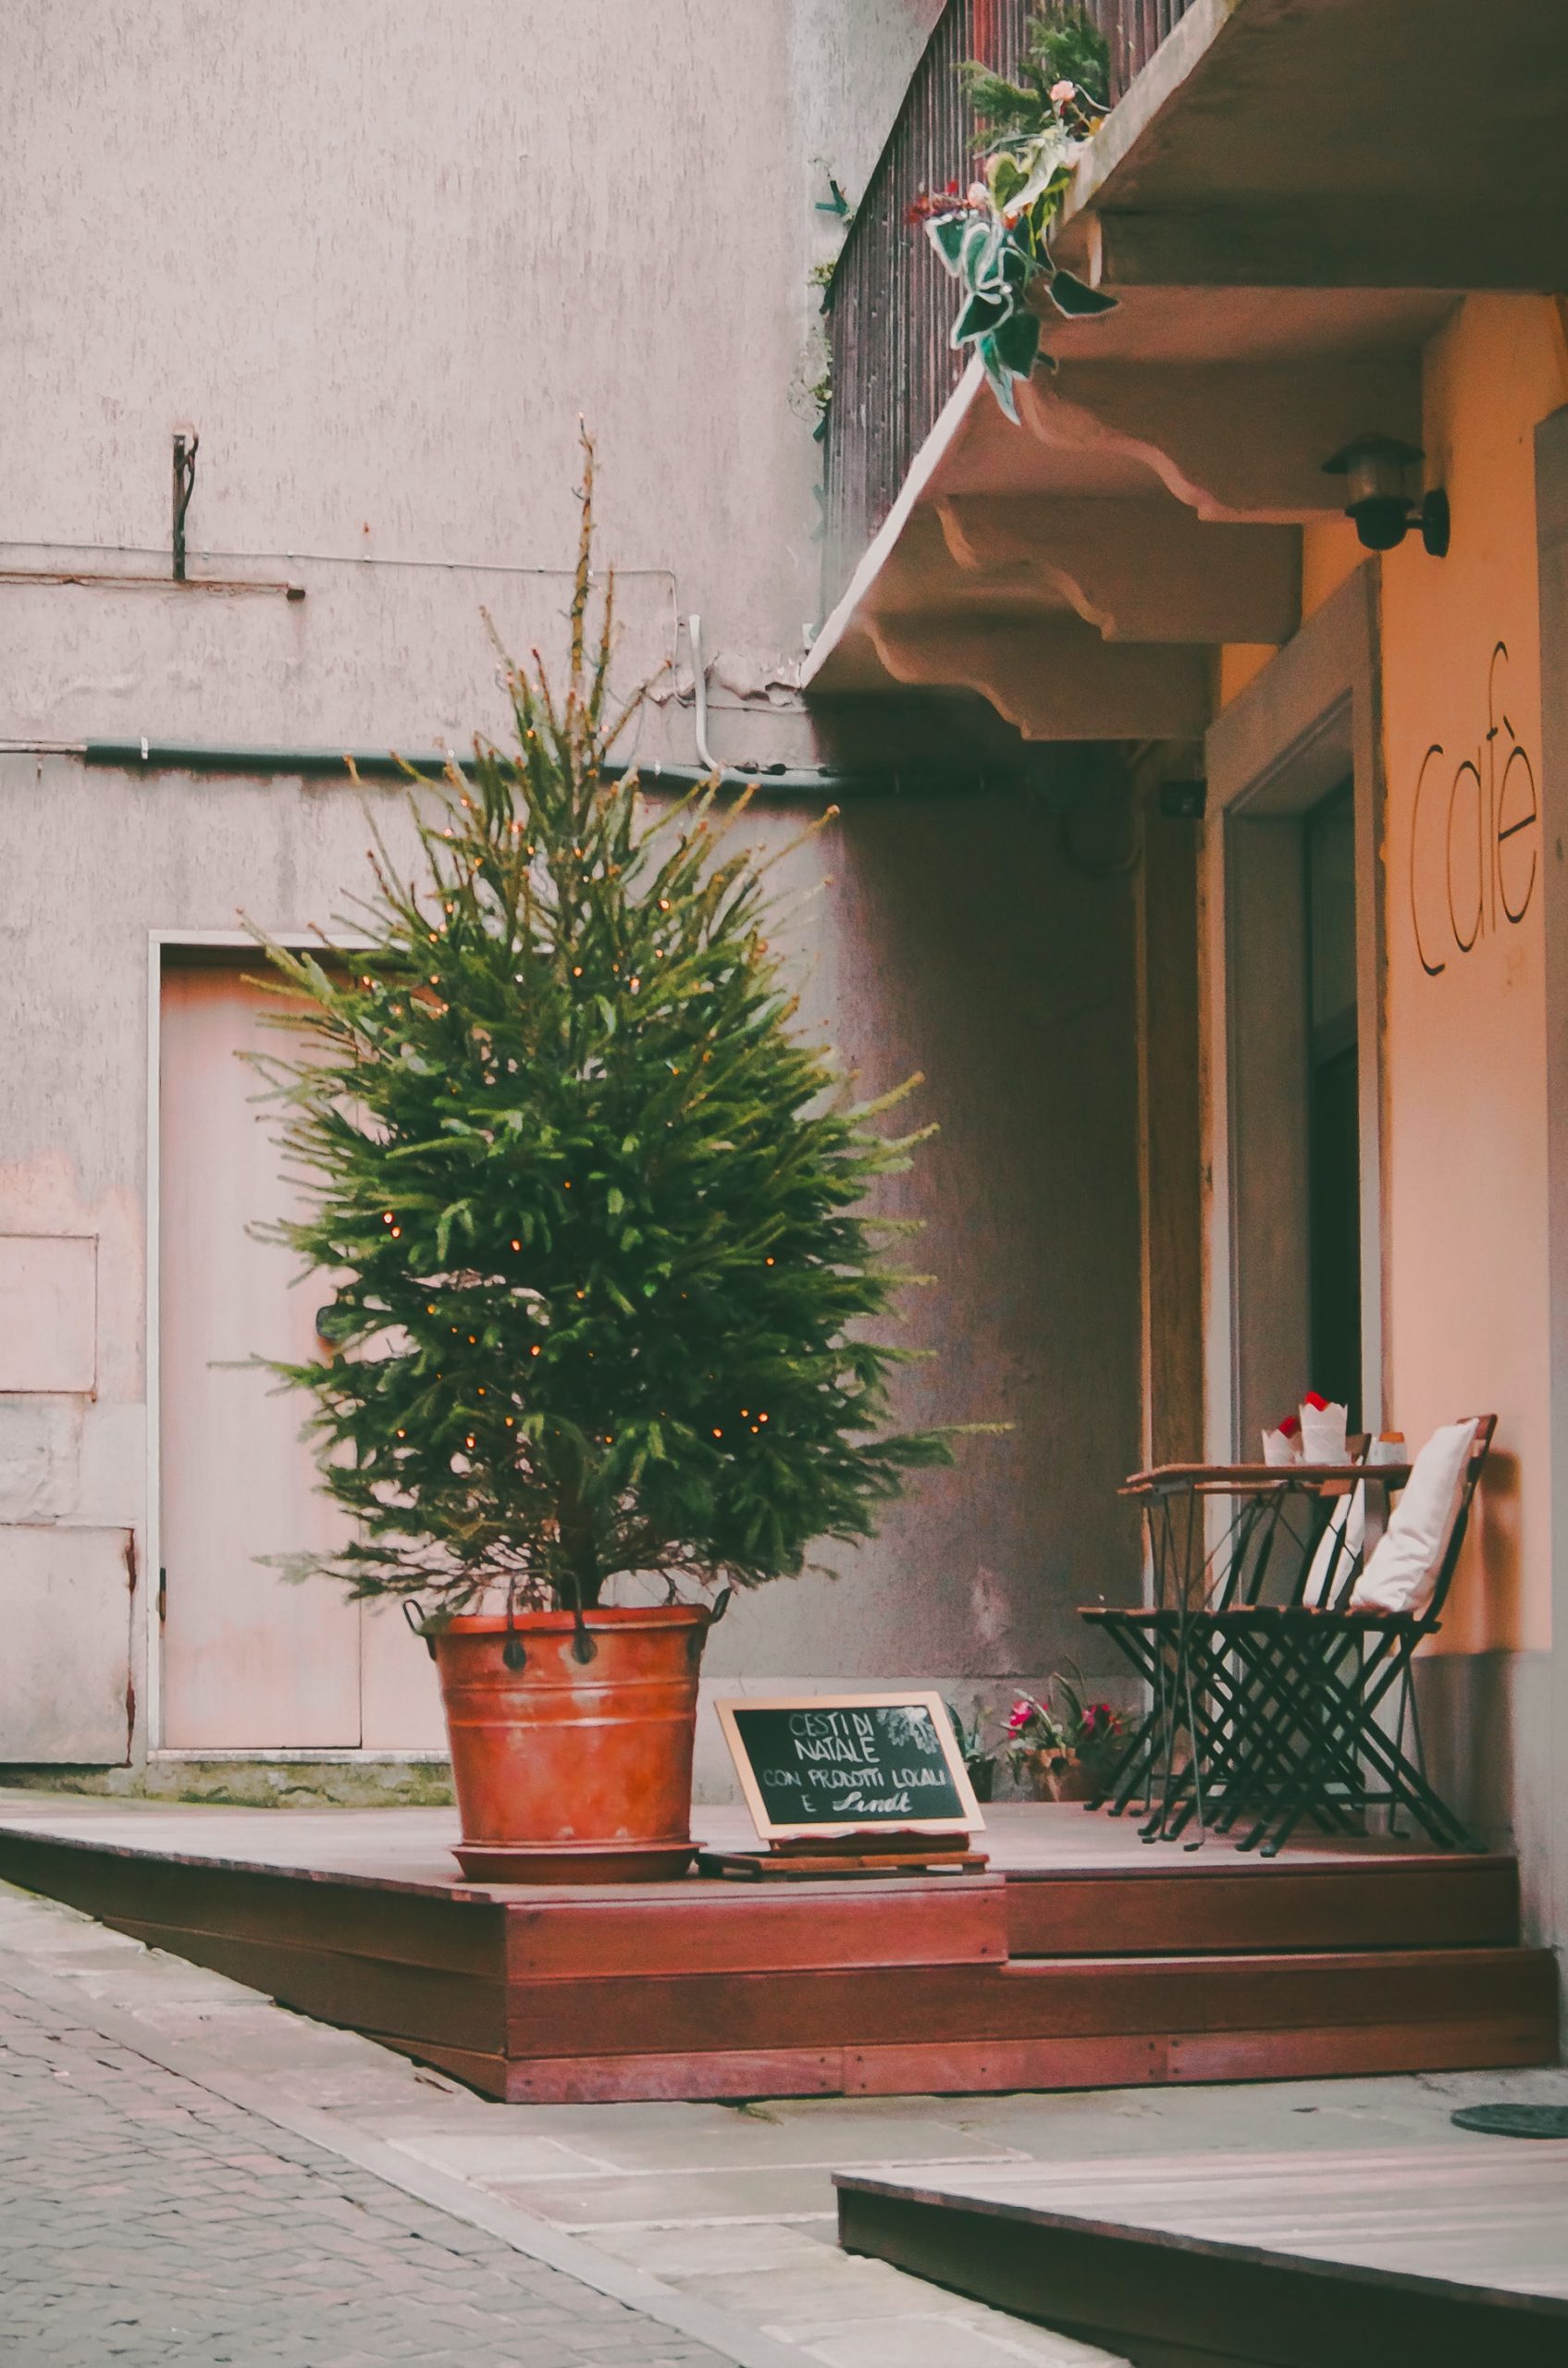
column 592, row 1212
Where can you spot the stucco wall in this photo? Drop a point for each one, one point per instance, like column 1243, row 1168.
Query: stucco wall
column 1466, row 1326
column 382, row 258
column 950, row 937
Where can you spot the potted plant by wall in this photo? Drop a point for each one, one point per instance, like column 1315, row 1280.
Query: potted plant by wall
column 980, row 1764
column 592, row 1208
column 1063, row 1747
column 1037, row 1748
column 1096, row 1731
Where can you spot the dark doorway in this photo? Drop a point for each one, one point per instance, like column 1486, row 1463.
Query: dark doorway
column 1333, row 1128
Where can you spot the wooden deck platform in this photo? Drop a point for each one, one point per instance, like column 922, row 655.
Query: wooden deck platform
column 1080, row 1959
column 1443, row 2254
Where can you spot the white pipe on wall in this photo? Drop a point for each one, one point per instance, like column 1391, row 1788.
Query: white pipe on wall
column 699, row 681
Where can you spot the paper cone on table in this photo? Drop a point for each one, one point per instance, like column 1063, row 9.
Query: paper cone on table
column 1323, row 1431
column 1283, row 1446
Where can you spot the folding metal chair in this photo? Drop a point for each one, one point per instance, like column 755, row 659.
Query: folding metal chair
column 1314, row 1681
column 1183, row 1749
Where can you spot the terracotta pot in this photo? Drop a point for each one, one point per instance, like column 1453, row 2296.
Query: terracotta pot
column 1074, row 1782
column 1053, row 1779
column 570, row 1771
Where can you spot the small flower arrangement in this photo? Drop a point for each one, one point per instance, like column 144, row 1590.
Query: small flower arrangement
column 1102, row 1732
column 995, row 239
column 1064, row 1751
column 1037, row 1743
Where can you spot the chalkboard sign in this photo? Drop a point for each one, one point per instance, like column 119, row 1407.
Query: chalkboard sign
column 839, row 1763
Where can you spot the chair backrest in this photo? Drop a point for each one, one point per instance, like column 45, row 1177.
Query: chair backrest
column 1486, row 1424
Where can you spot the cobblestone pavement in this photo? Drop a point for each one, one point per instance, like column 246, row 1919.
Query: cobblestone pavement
column 144, row 2219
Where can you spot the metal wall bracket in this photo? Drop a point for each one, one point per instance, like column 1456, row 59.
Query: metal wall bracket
column 185, row 447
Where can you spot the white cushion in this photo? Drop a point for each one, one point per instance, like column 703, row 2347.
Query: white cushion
column 1341, row 1548
column 1402, row 1574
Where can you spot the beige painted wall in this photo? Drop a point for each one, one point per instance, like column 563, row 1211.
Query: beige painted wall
column 1470, row 849
column 1464, row 1016
column 1466, row 1321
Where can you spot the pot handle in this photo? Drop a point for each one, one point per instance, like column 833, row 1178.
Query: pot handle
column 415, row 1615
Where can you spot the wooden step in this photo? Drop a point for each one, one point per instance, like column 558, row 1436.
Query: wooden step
column 1449, row 2255
column 911, row 2006
column 715, row 1990
column 1185, row 1905
column 142, row 1891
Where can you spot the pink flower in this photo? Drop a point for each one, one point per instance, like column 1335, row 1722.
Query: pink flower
column 1061, row 92
column 979, row 193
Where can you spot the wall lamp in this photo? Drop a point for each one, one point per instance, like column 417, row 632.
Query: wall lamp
column 1377, row 473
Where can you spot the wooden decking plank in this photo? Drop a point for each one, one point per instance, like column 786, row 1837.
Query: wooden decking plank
column 485, row 2069
column 1467, row 1903
column 411, row 1928
column 1476, row 2042
column 709, row 2075
column 1075, row 1998
column 1164, row 2307
column 822, row 1926
column 988, row 2068
column 1479, row 2042
column 1438, row 2252
column 362, row 1993
column 960, row 2068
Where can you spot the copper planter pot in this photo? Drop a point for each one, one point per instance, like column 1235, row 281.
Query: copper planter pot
column 570, row 1770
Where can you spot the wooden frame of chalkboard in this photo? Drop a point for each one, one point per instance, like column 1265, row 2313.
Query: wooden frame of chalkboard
column 889, row 1817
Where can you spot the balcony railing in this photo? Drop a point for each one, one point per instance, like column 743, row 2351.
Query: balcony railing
column 890, row 306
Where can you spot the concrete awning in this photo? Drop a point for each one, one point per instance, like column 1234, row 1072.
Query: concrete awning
column 1256, row 201
column 1346, row 143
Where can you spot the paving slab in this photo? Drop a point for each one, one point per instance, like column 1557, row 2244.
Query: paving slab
column 668, row 2198
column 748, row 2137
column 716, row 2248
column 702, row 2177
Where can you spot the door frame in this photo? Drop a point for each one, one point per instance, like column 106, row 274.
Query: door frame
column 1310, row 721
column 165, row 945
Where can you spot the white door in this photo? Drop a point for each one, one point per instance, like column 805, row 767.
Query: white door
column 250, row 1660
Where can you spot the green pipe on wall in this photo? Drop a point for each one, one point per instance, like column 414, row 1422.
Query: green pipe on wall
column 379, row 764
